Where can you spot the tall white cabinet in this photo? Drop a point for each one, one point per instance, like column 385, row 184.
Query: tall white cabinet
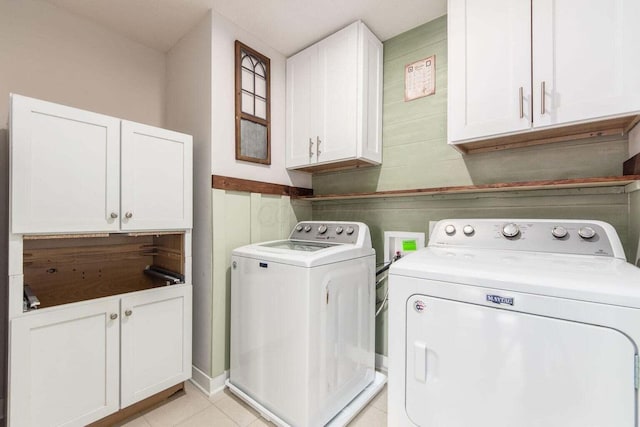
column 100, row 233
column 519, row 66
column 334, row 102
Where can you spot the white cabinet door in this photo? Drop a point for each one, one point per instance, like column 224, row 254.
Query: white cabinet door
column 489, row 67
column 156, row 190
column 65, row 168
column 339, row 84
column 155, row 341
column 302, row 100
column 64, row 365
column 583, row 53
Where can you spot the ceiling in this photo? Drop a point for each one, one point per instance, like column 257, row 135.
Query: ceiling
column 285, row 25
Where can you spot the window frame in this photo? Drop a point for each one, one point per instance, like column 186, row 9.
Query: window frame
column 239, row 114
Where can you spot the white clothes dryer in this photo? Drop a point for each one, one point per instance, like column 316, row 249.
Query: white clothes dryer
column 302, row 324
column 502, row 323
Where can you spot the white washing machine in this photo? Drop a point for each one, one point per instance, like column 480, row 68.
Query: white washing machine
column 302, row 325
column 503, row 323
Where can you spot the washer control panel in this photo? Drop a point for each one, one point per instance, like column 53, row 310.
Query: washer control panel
column 580, row 237
column 326, row 231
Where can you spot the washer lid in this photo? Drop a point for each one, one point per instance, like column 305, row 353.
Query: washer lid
column 297, row 245
column 585, row 278
column 302, row 253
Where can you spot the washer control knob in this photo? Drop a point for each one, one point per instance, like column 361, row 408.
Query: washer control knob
column 350, row 230
column 559, row 232
column 510, row 230
column 586, row 232
column 322, row 229
column 298, row 227
column 307, row 228
column 468, row 230
column 339, row 230
column 450, row 230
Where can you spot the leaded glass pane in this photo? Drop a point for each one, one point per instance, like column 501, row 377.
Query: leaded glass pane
column 247, row 103
column 261, row 108
column 247, row 80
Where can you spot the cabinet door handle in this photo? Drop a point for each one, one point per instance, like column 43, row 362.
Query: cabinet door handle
column 113, row 316
column 114, row 215
column 542, row 98
column 310, row 147
column 318, row 145
column 521, row 102
column 128, row 215
column 128, row 312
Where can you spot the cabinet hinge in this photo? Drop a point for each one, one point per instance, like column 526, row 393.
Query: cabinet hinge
column 636, row 371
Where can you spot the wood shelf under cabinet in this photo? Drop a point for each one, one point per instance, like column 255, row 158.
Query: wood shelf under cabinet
column 616, row 126
column 61, row 271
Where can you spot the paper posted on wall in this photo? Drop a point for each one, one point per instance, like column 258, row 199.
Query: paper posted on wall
column 420, row 78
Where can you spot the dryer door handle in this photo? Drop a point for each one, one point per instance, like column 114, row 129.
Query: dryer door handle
column 420, row 361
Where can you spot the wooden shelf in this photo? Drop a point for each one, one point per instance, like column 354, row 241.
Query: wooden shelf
column 609, row 181
column 608, row 127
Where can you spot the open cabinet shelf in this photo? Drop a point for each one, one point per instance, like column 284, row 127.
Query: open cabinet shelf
column 62, row 271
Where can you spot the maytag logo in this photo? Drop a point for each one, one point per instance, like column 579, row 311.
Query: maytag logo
column 497, row 299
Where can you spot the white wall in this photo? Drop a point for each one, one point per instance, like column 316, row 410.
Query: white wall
column 224, row 160
column 189, row 110
column 48, row 53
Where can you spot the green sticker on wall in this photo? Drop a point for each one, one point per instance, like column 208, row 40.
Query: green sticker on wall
column 409, row 245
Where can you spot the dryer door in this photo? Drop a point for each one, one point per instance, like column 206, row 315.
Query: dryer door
column 471, row 365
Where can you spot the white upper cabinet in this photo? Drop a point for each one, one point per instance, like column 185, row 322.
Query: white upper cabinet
column 74, row 171
column 156, row 178
column 522, row 65
column 585, row 55
column 334, row 102
column 489, row 67
column 65, row 168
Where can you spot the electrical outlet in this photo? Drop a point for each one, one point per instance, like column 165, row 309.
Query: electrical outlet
column 400, row 243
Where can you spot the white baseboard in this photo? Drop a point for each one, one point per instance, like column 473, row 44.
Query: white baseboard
column 382, row 363
column 211, row 386
column 206, row 384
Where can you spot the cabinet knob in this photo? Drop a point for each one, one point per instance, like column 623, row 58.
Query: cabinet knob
column 128, row 215
column 310, row 147
column 114, row 215
column 128, row 312
column 113, row 316
column 318, row 141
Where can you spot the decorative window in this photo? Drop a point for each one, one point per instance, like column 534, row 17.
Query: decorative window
column 253, row 112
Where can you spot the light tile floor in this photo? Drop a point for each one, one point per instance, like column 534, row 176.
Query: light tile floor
column 192, row 408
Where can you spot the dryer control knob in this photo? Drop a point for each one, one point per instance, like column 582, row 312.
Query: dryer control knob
column 586, row 232
column 510, row 230
column 450, row 230
column 350, row 230
column 559, row 232
column 307, row 228
column 298, row 227
column 322, row 229
column 468, row 230
column 339, row 230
